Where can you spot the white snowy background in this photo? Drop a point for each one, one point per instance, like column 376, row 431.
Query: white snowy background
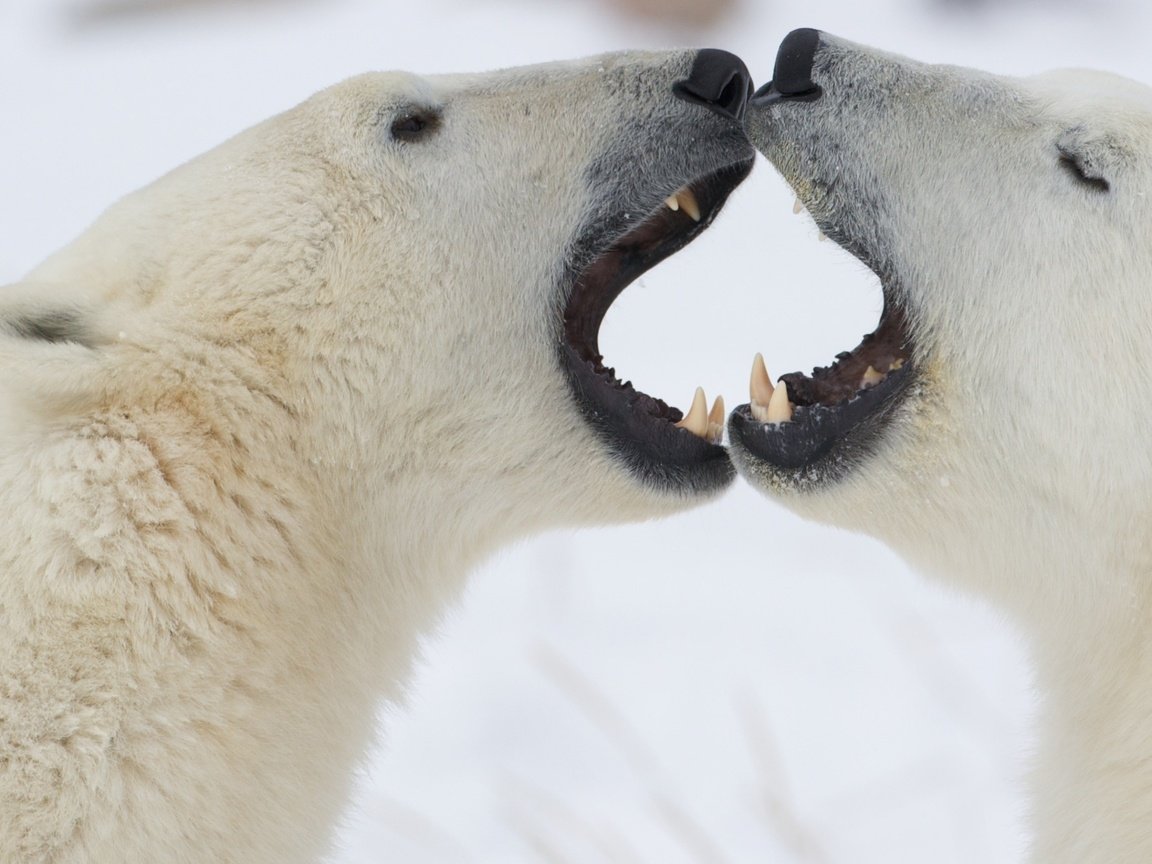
column 732, row 685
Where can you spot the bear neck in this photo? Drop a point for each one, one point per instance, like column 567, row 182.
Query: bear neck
column 1083, row 603
column 1092, row 774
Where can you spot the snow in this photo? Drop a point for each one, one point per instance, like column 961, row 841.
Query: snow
column 729, row 685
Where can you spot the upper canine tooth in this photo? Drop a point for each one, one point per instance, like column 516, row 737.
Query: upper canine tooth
column 716, row 421
column 821, row 236
column 689, row 204
column 797, row 207
column 760, row 389
column 696, row 420
column 673, row 202
column 779, row 408
column 871, row 378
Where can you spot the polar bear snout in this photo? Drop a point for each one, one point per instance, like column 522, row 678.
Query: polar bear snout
column 719, row 81
column 812, row 430
column 651, row 197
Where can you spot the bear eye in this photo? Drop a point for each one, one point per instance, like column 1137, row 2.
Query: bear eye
column 1082, row 170
column 415, row 125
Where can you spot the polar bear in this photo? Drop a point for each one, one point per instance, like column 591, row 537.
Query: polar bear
column 994, row 428
column 259, row 421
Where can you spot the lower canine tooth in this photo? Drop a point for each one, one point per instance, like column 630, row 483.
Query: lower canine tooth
column 689, row 204
column 779, row 408
column 716, row 421
column 760, row 386
column 871, row 378
column 716, row 415
column 696, row 421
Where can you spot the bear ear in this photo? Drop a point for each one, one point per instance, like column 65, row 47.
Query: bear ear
column 1093, row 161
column 415, row 124
column 47, row 313
column 46, row 351
column 49, row 324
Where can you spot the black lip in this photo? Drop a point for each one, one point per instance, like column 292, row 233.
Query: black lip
column 824, row 443
column 637, row 427
column 836, row 425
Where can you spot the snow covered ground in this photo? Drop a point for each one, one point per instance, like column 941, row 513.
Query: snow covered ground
column 731, row 685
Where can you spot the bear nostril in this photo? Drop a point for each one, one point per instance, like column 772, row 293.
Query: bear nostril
column 719, row 81
column 792, row 75
column 793, row 72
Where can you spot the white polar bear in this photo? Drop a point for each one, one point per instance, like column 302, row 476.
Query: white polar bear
column 259, row 421
column 995, row 427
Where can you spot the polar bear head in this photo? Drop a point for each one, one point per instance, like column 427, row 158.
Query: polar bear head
column 999, row 409
column 256, row 424
column 994, row 427
column 414, row 270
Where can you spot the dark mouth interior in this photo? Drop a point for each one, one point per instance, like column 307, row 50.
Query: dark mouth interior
column 883, row 351
column 598, row 285
column 840, row 411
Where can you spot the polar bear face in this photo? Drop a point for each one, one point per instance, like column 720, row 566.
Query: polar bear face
column 1000, row 405
column 420, row 266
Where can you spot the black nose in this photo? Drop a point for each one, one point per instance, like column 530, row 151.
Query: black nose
column 718, row 80
column 792, row 77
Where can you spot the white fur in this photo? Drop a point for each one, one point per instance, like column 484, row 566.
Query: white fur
column 1021, row 467
column 318, row 381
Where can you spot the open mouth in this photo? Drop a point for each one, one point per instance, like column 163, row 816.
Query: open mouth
column 816, row 427
column 658, row 442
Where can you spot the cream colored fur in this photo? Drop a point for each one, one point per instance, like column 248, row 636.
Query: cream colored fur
column 314, row 380
column 1021, row 467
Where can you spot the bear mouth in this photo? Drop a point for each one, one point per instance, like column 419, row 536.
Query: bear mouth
column 816, row 428
column 656, row 441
